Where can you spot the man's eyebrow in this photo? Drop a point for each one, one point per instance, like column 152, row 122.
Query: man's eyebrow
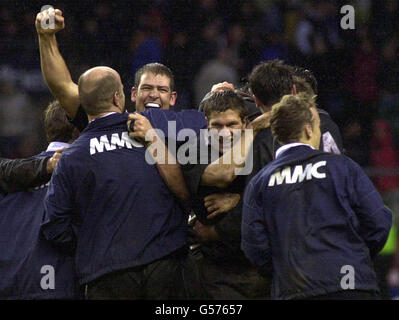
column 152, row 86
column 228, row 123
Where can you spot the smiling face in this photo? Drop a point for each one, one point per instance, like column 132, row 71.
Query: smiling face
column 226, row 124
column 153, row 91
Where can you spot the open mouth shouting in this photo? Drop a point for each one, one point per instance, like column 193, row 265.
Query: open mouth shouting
column 152, row 105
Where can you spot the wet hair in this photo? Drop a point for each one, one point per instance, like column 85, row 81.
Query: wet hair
column 307, row 75
column 56, row 124
column 223, row 101
column 290, row 115
column 270, row 80
column 154, row 68
column 302, row 85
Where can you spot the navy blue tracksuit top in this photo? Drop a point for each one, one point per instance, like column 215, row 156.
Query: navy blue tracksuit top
column 309, row 215
column 106, row 201
column 30, row 266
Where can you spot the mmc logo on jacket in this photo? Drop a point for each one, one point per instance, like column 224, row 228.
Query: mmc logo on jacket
column 298, row 174
column 307, row 216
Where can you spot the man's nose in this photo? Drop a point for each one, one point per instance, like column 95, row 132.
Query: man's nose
column 225, row 132
column 154, row 93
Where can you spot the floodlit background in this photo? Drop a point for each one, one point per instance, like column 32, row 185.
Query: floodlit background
column 208, row 41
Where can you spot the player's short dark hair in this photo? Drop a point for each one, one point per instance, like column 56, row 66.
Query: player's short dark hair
column 223, row 101
column 302, row 85
column 56, row 124
column 270, row 80
column 290, row 115
column 307, row 75
column 154, row 68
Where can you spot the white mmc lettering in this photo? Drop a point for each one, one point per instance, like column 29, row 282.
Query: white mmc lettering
column 117, row 140
column 299, row 174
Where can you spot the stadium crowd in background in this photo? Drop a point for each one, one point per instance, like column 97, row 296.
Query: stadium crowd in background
column 209, row 41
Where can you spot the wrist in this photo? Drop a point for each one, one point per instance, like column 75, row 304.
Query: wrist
column 148, row 143
column 49, row 166
column 46, row 37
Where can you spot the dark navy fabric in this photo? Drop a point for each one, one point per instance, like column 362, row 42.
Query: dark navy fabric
column 305, row 232
column 26, row 258
column 22, row 174
column 191, row 119
column 186, row 119
column 109, row 203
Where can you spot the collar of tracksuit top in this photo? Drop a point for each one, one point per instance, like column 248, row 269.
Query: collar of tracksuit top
column 289, row 146
column 55, row 145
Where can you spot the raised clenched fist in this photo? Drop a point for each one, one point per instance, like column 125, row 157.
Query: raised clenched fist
column 49, row 21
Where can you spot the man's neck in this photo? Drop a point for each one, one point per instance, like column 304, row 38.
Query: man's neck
column 101, row 115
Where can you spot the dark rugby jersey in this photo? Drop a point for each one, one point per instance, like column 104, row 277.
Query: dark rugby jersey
column 227, row 225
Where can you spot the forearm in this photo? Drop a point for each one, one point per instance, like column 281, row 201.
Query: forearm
column 224, row 170
column 56, row 74
column 170, row 171
column 21, row 174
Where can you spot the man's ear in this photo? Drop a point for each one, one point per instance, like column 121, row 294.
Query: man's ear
column 173, row 98
column 294, row 92
column 308, row 131
column 258, row 102
column 133, row 94
column 116, row 99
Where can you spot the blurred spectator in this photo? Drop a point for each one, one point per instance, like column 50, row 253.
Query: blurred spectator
column 187, row 34
column 235, row 39
column 384, row 160
column 145, row 48
column 304, row 34
column 177, row 59
column 362, row 73
column 353, row 143
column 384, row 156
column 385, row 20
column 214, row 71
column 362, row 84
column 205, row 47
column 388, row 80
column 18, row 123
column 275, row 47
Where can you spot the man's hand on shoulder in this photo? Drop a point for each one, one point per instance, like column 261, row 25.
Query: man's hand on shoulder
column 141, row 126
column 53, row 161
column 260, row 123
